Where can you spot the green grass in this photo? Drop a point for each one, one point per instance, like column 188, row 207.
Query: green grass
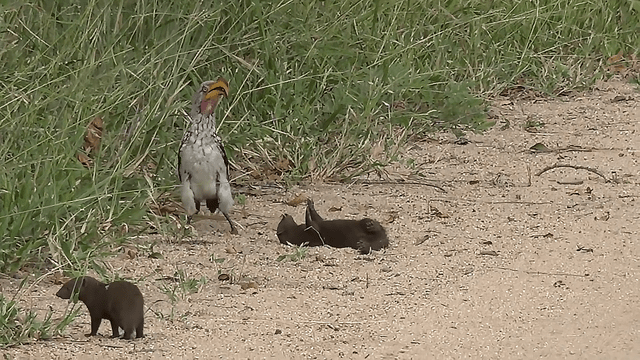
column 18, row 326
column 181, row 286
column 319, row 84
column 298, row 254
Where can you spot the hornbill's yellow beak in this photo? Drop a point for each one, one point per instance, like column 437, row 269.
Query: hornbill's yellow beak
column 219, row 88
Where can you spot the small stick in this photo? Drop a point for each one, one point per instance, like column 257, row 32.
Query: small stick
column 519, row 202
column 539, row 272
column 578, row 167
column 392, row 182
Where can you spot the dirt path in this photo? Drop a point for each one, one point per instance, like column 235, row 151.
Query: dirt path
column 502, row 266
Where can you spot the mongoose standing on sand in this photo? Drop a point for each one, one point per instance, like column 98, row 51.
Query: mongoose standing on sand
column 120, row 302
column 203, row 167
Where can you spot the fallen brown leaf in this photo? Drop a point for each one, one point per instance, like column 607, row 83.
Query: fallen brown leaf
column 615, row 58
column 231, row 250
column 248, row 284
column 283, row 165
column 163, row 209
column 58, row 279
column 617, row 68
column 94, row 135
column 131, row 253
column 84, row 160
column 302, row 198
column 91, row 141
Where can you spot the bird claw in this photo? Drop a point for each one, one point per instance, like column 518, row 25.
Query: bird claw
column 233, row 228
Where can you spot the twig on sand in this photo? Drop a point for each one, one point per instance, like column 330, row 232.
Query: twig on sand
column 540, row 272
column 397, row 182
column 578, row 167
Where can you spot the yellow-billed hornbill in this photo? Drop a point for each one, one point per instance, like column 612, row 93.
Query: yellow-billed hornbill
column 203, row 166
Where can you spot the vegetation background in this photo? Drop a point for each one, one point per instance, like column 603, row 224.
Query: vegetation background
column 315, row 85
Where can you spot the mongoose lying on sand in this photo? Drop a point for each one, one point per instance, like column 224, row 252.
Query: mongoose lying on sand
column 292, row 233
column 119, row 302
column 363, row 235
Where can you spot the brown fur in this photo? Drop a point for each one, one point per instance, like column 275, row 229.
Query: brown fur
column 291, row 233
column 363, row 235
column 120, row 302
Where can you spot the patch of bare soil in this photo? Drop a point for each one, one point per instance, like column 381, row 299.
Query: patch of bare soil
column 506, row 264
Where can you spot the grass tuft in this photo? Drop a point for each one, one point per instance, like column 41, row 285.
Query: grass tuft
column 19, row 327
column 299, row 253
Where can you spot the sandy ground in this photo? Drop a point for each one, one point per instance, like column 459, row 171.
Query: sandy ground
column 505, row 264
